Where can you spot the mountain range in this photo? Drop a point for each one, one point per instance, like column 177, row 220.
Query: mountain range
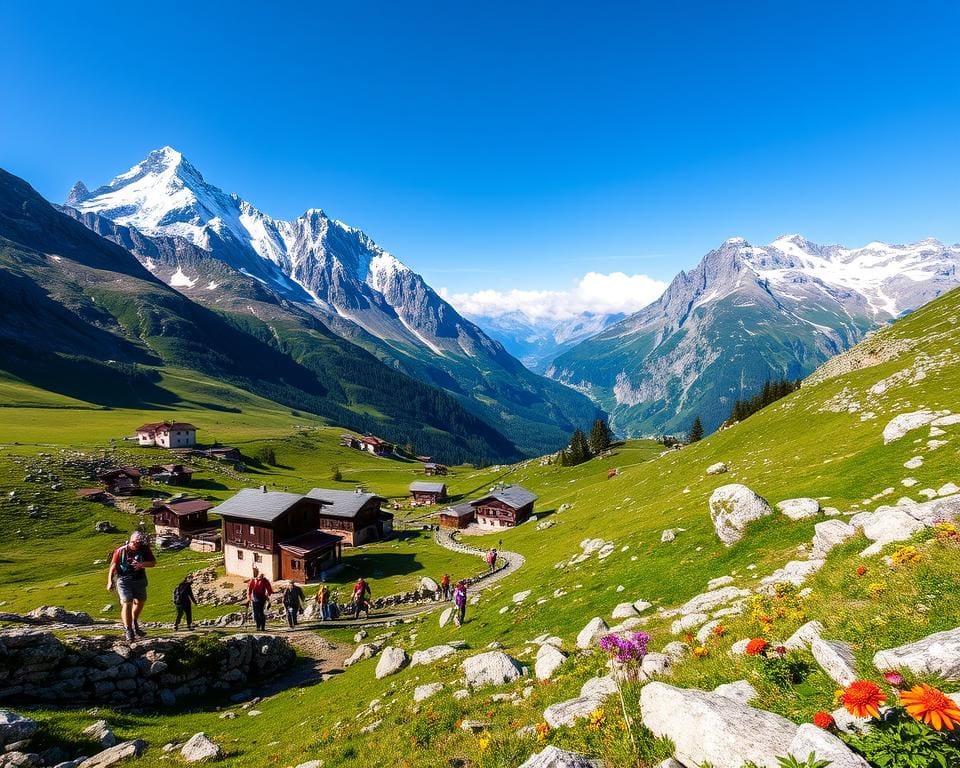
column 746, row 314
column 221, row 251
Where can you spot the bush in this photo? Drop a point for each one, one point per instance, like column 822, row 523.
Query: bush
column 267, row 455
column 899, row 741
column 335, row 474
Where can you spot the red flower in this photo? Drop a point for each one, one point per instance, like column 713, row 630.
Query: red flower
column 757, row 646
column 824, row 720
column 863, row 698
column 861, row 570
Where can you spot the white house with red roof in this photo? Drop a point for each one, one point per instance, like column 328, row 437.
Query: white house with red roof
column 167, row 434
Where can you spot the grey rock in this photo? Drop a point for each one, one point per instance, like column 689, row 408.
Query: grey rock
column 422, row 692
column 552, row 757
column 937, row 655
column 101, row 733
column 391, row 661
column 431, row 655
column 200, row 748
column 548, row 661
column 490, row 668
column 799, row 509
column 812, row 740
column 836, row 659
column 801, row 639
column 589, row 634
column 732, row 508
column 829, row 534
column 125, row 750
column 15, row 727
column 740, row 691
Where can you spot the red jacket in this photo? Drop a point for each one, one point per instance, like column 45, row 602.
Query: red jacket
column 259, row 590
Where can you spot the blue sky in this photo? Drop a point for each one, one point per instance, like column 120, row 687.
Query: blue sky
column 511, row 145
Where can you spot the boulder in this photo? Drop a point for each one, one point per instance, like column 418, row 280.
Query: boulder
column 641, row 605
column 720, row 581
column 589, row 546
column 490, row 668
column 15, row 727
column 122, row 751
column 656, row 664
column 740, row 691
column 361, row 652
column 801, row 639
column 899, row 425
column 519, row 597
column 732, row 508
column 932, row 512
column 717, row 469
column 430, row 655
column 936, row 655
column 568, row 712
column 713, row 599
column 829, row 534
column 795, row 572
column 706, row 631
column 100, row 732
column 391, row 661
column 446, row 616
column 599, row 687
column 884, row 526
column 200, row 748
column 836, row 659
column 688, row 622
column 799, row 509
column 624, row 611
column 60, row 615
column 552, row 757
column 422, row 692
column 548, row 661
column 589, row 634
column 707, row 728
column 667, row 536
column 810, row 739
column 428, row 585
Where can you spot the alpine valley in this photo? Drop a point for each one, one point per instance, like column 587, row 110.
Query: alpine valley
column 289, row 280
column 744, row 315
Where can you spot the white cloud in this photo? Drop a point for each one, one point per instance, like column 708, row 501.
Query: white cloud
column 594, row 292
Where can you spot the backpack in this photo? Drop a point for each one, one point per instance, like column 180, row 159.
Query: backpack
column 180, row 594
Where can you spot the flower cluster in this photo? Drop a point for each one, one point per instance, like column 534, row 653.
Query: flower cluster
column 947, row 532
column 861, row 570
column 626, row 648
column 701, row 652
column 876, row 589
column 906, row 554
column 824, row 720
column 597, row 719
column 757, row 646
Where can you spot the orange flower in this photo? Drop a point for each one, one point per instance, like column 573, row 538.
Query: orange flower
column 701, row 652
column 719, row 630
column 863, row 698
column 824, row 720
column 927, row 704
column 861, row 570
column 543, row 730
column 757, row 646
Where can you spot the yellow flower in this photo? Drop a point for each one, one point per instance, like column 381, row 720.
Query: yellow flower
column 906, row 554
column 543, row 731
column 700, row 652
column 597, row 719
column 484, row 742
column 876, row 589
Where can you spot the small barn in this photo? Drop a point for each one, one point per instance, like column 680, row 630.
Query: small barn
column 505, row 506
column 457, row 517
column 181, row 518
column 428, row 493
column 223, row 453
column 375, row 445
column 122, row 481
column 308, row 556
column 432, row 468
column 171, row 474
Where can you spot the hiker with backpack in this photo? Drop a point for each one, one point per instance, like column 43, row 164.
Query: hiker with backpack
column 445, row 586
column 183, row 601
column 323, row 600
column 361, row 598
column 258, row 597
column 128, row 574
column 293, row 603
column 460, row 601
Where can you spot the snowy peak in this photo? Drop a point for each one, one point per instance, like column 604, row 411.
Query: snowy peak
column 77, row 194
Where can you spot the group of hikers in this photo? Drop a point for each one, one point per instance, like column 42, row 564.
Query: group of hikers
column 127, row 574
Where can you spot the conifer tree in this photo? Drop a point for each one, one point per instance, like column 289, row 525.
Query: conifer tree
column 600, row 437
column 696, row 431
column 579, row 450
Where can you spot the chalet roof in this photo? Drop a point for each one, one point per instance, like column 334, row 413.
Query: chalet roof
column 342, row 503
column 173, row 468
column 84, row 493
column 310, row 542
column 459, row 510
column 185, row 507
column 254, row 504
column 119, row 471
column 434, row 465
column 428, row 487
column 371, row 440
column 166, row 426
column 515, row 496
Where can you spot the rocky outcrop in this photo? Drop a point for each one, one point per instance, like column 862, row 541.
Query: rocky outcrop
column 552, row 757
column 36, row 666
column 200, row 749
column 885, row 526
column 121, row 752
column 829, row 534
column 903, row 423
column 825, row 746
column 799, row 509
column 937, row 655
column 391, row 661
column 732, row 508
column 15, row 727
column 490, row 668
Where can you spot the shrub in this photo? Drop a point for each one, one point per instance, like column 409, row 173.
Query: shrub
column 267, row 455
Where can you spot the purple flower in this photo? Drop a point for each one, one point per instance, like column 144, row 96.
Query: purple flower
column 626, row 648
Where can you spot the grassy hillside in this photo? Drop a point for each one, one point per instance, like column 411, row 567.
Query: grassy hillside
column 823, row 441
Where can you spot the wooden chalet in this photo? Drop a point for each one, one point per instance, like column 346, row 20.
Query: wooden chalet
column 171, row 474
column 457, row 517
column 505, row 506
column 375, row 445
column 122, row 481
column 181, row 518
column 432, row 468
column 350, row 441
column 357, row 518
column 428, row 493
column 223, row 453
column 167, row 434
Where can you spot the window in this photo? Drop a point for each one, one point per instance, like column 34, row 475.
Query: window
column 252, row 530
column 257, row 558
column 239, row 554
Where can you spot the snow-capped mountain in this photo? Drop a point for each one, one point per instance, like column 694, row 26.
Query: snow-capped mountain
column 744, row 314
column 362, row 292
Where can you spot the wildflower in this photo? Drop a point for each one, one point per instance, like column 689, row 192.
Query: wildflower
column 701, row 652
column 757, row 646
column 765, row 619
column 838, row 696
column 876, row 589
column 483, row 742
column 824, row 720
column 688, row 637
column 927, row 704
column 863, row 698
column 947, row 531
column 626, row 648
column 719, row 630
column 543, row 730
column 597, row 718
column 861, row 570
column 894, row 678
column 780, row 650
column 906, row 554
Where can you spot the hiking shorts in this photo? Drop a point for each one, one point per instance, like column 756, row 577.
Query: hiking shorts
column 132, row 589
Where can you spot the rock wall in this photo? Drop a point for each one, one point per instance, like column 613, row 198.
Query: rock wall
column 36, row 666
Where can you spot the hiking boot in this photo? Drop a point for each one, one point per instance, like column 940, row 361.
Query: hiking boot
column 139, row 632
column 128, row 634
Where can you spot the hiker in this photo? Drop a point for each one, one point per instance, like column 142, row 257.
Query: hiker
column 361, row 595
column 128, row 574
column 293, row 603
column 323, row 600
column 460, row 601
column 445, row 586
column 258, row 597
column 183, row 601
column 492, row 559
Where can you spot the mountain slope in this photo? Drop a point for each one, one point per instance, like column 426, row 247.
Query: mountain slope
column 73, row 300
column 746, row 314
column 338, row 274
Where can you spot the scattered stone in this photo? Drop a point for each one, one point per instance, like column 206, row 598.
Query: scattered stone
column 422, row 692
column 360, row 636
column 732, row 508
column 720, row 581
column 937, row 655
column 360, row 653
column 641, row 605
column 727, row 733
column 915, row 463
column 15, row 727
column 688, row 622
column 948, row 489
column 490, row 668
column 474, row 726
column 884, row 526
column 717, row 469
column 552, row 757
column 101, row 733
column 624, row 611
column 391, row 661
column 59, row 615
column 713, row 599
column 667, row 536
column 519, row 597
column 588, row 635
column 799, row 509
column 656, row 664
column 122, row 751
column 825, row 746
column 446, row 616
column 311, row 764
column 836, row 659
column 548, row 661
column 829, row 534
column 740, row 691
column 568, row 712
column 428, row 585
column 675, row 650
column 705, row 632
column 372, row 727
column 801, row 639
column 795, row 572
column 739, row 648
column 430, row 655
column 899, row 425
column 199, row 748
